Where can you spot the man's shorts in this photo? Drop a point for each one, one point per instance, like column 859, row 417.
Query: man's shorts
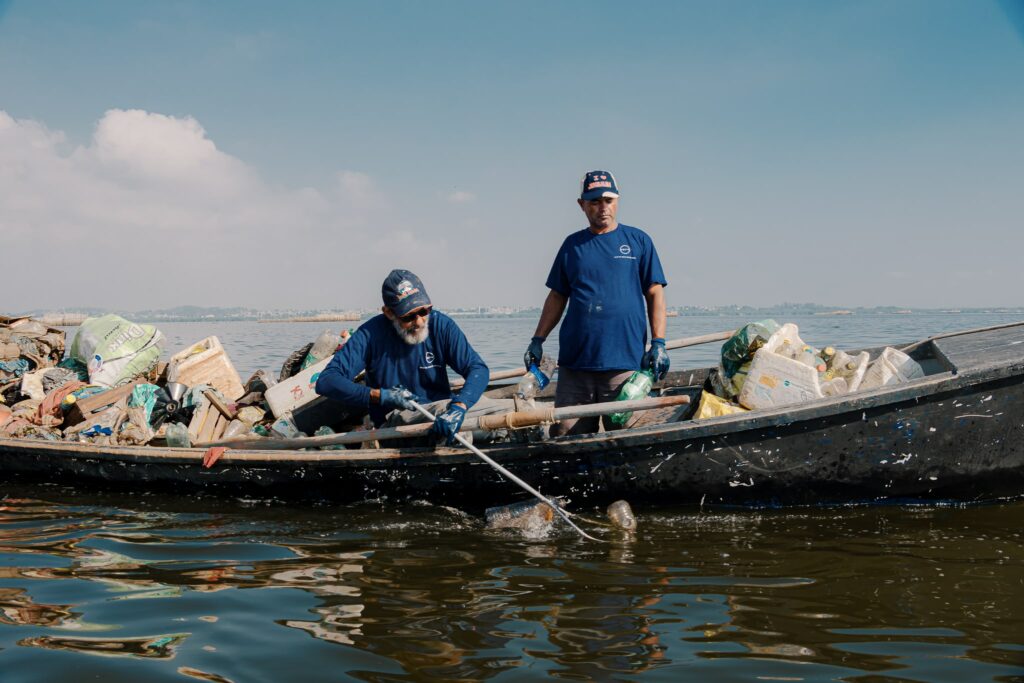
column 583, row 387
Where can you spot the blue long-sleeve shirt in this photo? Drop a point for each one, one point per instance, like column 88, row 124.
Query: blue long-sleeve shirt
column 389, row 361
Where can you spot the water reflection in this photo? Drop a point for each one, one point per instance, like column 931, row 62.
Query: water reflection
column 245, row 594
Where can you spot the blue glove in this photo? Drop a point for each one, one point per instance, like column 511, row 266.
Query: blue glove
column 397, row 398
column 656, row 359
column 447, row 424
column 534, row 352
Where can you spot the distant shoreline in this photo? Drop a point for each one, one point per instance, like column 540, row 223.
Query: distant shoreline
column 313, row 319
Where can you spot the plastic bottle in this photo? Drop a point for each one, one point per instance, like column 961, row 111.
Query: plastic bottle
column 621, row 515
column 325, row 345
column 535, row 379
column 637, row 386
column 177, row 436
column 327, row 431
column 786, row 349
column 809, row 356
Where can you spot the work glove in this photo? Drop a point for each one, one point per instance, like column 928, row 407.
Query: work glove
column 398, row 398
column 447, row 424
column 656, row 359
column 534, row 352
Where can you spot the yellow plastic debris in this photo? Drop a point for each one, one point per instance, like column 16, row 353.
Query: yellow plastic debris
column 713, row 406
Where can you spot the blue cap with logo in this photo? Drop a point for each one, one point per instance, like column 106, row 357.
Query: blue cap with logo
column 597, row 184
column 403, row 292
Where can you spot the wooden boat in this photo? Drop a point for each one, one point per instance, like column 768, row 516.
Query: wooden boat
column 953, row 435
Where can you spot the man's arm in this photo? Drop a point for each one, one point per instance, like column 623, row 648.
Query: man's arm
column 554, row 306
column 464, row 359
column 655, row 297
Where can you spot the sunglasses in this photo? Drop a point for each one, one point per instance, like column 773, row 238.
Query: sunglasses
column 421, row 313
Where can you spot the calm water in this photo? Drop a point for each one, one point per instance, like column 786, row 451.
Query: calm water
column 98, row 587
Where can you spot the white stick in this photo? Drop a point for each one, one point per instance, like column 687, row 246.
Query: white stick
column 508, row 475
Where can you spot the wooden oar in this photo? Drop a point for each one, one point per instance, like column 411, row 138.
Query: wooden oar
column 695, row 341
column 680, row 343
column 487, row 422
column 511, row 477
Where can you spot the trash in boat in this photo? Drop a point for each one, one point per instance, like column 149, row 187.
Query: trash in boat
column 783, row 370
column 206, row 362
column 115, row 350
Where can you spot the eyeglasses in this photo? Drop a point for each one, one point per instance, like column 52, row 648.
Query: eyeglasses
column 421, row 313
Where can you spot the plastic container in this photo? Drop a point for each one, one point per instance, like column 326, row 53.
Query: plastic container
column 775, row 381
column 535, row 379
column 206, row 362
column 621, row 515
column 637, row 386
column 324, row 347
column 177, row 436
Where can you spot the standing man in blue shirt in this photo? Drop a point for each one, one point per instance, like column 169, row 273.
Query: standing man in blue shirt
column 606, row 273
column 409, row 348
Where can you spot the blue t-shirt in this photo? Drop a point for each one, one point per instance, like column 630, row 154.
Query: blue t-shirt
column 389, row 361
column 605, row 277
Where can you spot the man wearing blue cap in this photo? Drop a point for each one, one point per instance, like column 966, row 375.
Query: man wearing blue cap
column 407, row 348
column 610, row 277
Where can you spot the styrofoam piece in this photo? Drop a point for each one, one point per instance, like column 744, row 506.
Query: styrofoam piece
column 291, row 393
column 206, row 362
column 891, row 367
column 776, row 381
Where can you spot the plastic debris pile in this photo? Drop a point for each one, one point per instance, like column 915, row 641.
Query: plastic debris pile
column 766, row 365
column 113, row 389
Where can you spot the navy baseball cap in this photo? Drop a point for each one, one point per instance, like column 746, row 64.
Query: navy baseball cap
column 403, row 292
column 597, row 184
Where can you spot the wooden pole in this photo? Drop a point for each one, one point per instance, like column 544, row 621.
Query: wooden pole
column 489, row 422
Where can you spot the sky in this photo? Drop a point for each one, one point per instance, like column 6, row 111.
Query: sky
column 289, row 155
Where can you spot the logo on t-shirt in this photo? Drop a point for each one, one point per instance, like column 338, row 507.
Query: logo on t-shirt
column 429, row 357
column 626, row 250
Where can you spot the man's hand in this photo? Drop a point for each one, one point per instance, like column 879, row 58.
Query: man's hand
column 534, row 352
column 447, row 424
column 397, row 398
column 656, row 359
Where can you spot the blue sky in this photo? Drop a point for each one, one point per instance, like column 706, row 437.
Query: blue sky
column 846, row 153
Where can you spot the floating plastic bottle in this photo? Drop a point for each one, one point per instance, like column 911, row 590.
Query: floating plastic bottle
column 535, row 379
column 637, row 386
column 177, row 436
column 621, row 515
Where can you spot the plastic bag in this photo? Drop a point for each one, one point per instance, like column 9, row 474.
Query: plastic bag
column 740, row 347
column 115, row 350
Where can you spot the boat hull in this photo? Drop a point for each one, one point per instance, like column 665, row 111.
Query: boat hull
column 955, row 435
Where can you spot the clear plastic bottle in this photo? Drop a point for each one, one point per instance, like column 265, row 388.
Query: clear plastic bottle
column 637, row 386
column 324, row 346
column 177, row 436
column 535, row 379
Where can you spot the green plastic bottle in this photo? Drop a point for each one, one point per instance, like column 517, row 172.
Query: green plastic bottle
column 637, row 386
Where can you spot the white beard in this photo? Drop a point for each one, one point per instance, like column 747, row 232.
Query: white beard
column 411, row 338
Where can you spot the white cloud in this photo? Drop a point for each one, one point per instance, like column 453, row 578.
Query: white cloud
column 152, row 213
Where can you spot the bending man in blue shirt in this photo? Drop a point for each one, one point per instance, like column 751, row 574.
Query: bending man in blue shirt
column 606, row 273
column 408, row 349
